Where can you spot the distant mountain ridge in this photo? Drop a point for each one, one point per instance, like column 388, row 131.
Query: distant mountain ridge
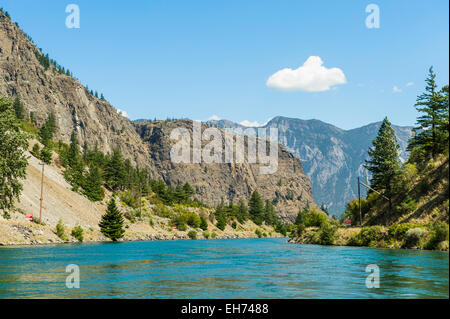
column 331, row 157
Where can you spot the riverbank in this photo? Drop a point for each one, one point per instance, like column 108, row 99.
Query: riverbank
column 14, row 233
column 398, row 236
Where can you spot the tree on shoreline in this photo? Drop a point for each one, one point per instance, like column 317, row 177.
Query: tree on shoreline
column 111, row 224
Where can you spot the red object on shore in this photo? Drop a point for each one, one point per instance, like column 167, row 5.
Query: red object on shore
column 174, row 228
column 29, row 217
column 347, row 222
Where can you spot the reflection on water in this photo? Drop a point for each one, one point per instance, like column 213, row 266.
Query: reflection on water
column 238, row 268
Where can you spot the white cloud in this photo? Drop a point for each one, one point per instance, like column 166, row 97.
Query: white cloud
column 312, row 76
column 122, row 112
column 396, row 89
column 250, row 124
column 409, row 84
column 214, row 118
column 255, row 123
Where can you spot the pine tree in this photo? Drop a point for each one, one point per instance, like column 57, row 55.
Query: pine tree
column 48, row 129
column 384, row 161
column 13, row 162
column 75, row 171
column 203, row 223
column 18, row 108
column 431, row 136
column 269, row 213
column 93, row 184
column 256, row 208
column 111, row 224
column 115, row 171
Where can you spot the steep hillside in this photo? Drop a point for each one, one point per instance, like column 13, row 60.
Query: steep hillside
column 331, row 157
column 43, row 90
column 288, row 186
column 426, row 198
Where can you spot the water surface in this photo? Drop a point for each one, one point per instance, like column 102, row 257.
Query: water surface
column 222, row 268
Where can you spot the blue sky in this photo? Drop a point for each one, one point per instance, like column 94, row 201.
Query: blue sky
column 201, row 58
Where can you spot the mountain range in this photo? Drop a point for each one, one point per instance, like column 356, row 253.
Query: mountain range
column 332, row 158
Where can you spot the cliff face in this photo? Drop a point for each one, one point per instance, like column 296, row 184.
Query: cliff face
column 147, row 144
column 229, row 181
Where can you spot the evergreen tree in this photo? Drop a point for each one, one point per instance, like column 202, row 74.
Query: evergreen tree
column 48, row 129
column 13, row 162
column 74, row 172
column 242, row 213
column 18, row 108
column 115, row 171
column 256, row 208
column 46, row 155
column 384, row 161
column 203, row 223
column 431, row 136
column 111, row 224
column 93, row 184
column 269, row 213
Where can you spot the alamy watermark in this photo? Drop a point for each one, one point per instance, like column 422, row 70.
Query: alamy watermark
column 373, row 19
column 373, row 279
column 73, row 280
column 226, row 146
column 73, row 19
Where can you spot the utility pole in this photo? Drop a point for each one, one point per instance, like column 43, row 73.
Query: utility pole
column 42, row 193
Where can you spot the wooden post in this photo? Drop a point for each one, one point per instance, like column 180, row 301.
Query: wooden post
column 359, row 202
column 42, row 192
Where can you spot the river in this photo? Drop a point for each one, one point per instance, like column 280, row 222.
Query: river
column 220, row 268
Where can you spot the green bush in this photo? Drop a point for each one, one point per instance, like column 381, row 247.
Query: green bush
column 407, row 206
column 61, row 231
column 213, row 235
column 77, row 232
column 36, row 151
column 258, row 233
column 310, row 218
column 203, row 224
column 193, row 220
column 398, row 231
column 192, row 234
column 368, row 236
column 439, row 233
column 413, row 237
column 234, row 224
column 327, row 232
column 206, row 234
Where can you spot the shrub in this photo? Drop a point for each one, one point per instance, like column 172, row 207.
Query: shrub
column 36, row 151
column 192, row 234
column 414, row 236
column 439, row 233
column 398, row 231
column 162, row 211
column 6, row 215
column 61, row 231
column 213, row 235
column 368, row 236
column 310, row 218
column 77, row 232
column 327, row 232
column 203, row 223
column 193, row 220
column 258, row 233
column 234, row 224
column 407, row 206
column 206, row 234
column 221, row 222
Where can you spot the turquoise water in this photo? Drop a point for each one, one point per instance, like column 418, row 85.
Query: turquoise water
column 223, row 268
